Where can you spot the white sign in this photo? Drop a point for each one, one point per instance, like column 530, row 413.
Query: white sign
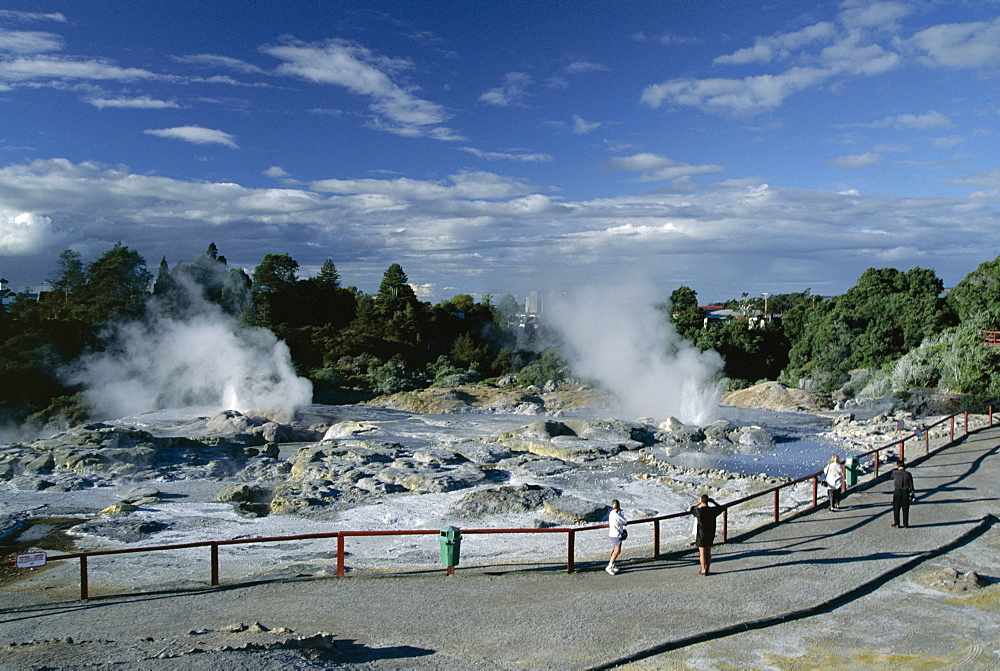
column 30, row 560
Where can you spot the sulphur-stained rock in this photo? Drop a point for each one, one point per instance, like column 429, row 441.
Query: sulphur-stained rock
column 951, row 580
column 119, row 508
column 776, row 396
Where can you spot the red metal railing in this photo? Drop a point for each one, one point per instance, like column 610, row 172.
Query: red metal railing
column 571, row 532
column 991, row 337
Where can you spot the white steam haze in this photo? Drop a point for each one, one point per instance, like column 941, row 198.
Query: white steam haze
column 205, row 359
column 619, row 339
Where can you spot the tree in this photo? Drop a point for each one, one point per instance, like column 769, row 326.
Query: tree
column 118, row 283
column 395, row 290
column 328, row 274
column 274, row 273
column 978, row 292
column 71, row 273
column 685, row 314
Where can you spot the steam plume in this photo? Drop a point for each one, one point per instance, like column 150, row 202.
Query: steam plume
column 623, row 342
column 207, row 359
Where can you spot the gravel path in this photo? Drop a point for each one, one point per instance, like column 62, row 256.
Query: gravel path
column 827, row 589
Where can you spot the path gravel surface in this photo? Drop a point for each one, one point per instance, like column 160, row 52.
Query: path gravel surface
column 824, row 590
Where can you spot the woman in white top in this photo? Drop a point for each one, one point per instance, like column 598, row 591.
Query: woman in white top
column 833, row 475
column 616, row 532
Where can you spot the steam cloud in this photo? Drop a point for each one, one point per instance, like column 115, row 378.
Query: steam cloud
column 206, row 359
column 628, row 347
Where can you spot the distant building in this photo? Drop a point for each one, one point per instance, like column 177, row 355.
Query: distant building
column 6, row 295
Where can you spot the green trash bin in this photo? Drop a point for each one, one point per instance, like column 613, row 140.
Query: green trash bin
column 451, row 546
column 851, row 468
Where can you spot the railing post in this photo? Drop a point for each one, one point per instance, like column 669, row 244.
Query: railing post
column 725, row 524
column 214, row 551
column 84, row 586
column 571, row 551
column 951, row 429
column 815, row 480
column 340, row 556
column 775, row 505
column 991, row 415
column 927, row 441
column 966, row 413
column 876, row 462
column 902, row 450
column 656, row 539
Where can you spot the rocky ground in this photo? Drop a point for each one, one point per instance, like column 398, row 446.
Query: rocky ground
column 321, row 463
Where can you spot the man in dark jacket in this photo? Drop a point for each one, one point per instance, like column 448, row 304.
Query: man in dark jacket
column 902, row 494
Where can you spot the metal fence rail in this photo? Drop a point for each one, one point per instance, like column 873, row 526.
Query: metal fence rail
column 877, row 454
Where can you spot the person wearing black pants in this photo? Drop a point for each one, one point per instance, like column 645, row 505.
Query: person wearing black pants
column 902, row 494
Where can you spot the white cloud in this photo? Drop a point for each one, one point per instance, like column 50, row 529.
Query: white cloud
column 27, row 17
column 486, row 232
column 932, row 119
column 141, row 102
column 45, row 68
column 948, row 142
column 29, row 42
column 277, row 172
column 856, row 161
column 658, row 168
column 364, row 73
column 23, row 232
column 751, row 95
column 581, row 67
column 960, row 45
column 767, row 49
column 195, row 135
column 581, row 127
column 506, row 156
column 214, row 60
column 511, row 92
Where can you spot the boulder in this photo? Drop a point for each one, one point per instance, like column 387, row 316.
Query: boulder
column 502, row 501
column 752, row 440
column 572, row 510
column 231, row 422
column 43, row 463
column 951, row 580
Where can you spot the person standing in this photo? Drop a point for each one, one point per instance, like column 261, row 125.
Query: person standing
column 705, row 511
column 902, row 494
column 617, row 533
column 833, row 475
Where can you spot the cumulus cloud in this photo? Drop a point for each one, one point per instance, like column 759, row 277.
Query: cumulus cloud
column 23, row 233
column 932, row 119
column 195, row 135
column 49, row 68
column 959, row 45
column 486, row 232
column 140, row 102
column 865, row 39
column 856, row 161
column 217, row 61
column 365, row 73
column 511, row 92
column 29, row 42
column 657, row 168
column 506, row 156
column 582, row 127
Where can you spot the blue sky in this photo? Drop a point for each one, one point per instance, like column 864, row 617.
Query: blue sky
column 500, row 147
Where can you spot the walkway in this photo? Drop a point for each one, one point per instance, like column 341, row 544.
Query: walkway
column 813, row 564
